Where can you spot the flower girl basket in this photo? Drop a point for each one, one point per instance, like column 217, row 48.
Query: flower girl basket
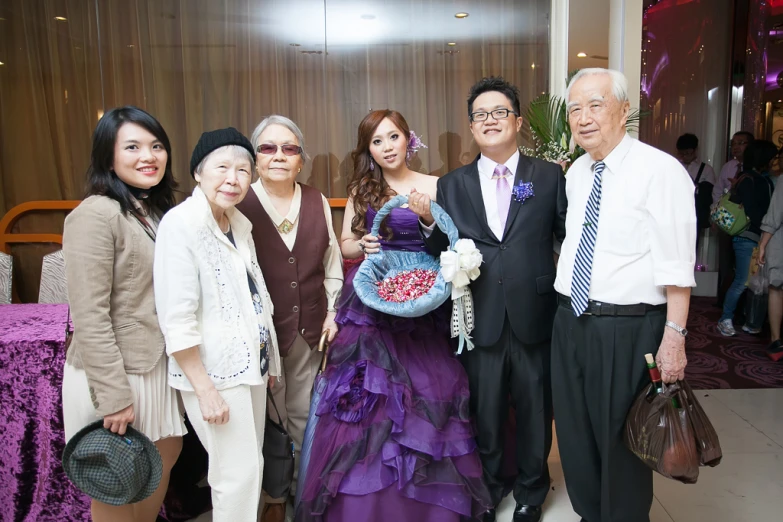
column 456, row 268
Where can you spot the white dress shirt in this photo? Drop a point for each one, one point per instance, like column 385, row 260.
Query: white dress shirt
column 486, row 168
column 333, row 258
column 646, row 225
column 708, row 174
column 727, row 173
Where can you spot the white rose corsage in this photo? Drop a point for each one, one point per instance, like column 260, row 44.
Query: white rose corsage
column 460, row 266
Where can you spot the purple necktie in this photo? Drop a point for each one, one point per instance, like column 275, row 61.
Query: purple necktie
column 502, row 194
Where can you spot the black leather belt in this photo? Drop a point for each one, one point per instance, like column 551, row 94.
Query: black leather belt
column 597, row 308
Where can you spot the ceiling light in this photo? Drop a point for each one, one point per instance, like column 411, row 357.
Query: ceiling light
column 131, row 46
column 367, row 17
column 1, row 63
column 779, row 101
column 581, row 55
column 532, row 66
column 461, row 15
column 451, row 44
column 60, row 18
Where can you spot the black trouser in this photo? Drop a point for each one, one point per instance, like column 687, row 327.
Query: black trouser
column 521, row 371
column 598, row 368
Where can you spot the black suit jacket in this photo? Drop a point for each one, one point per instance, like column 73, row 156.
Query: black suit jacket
column 518, row 273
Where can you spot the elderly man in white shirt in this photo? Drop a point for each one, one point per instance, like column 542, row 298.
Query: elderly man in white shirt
column 624, row 281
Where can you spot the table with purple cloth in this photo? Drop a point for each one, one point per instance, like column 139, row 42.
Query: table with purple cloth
column 33, row 485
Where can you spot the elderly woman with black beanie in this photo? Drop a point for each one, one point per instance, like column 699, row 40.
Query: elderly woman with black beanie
column 216, row 316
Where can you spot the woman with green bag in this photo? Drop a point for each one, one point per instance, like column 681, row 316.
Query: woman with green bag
column 753, row 191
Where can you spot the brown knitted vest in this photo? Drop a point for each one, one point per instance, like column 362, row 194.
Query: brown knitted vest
column 295, row 278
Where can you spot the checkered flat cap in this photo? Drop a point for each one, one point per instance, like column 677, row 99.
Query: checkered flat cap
column 110, row 468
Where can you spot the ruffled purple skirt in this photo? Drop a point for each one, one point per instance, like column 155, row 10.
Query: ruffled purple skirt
column 394, row 439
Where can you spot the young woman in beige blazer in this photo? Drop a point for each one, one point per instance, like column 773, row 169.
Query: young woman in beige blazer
column 116, row 367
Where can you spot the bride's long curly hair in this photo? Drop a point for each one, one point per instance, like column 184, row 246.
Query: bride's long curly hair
column 367, row 186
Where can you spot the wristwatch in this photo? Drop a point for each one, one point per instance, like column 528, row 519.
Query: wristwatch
column 677, row 328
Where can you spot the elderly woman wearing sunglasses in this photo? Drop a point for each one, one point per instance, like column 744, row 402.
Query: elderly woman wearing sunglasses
column 300, row 257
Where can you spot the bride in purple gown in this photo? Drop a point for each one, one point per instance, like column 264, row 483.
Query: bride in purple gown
column 394, row 440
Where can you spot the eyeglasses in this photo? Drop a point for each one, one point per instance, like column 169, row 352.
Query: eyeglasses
column 270, row 148
column 497, row 114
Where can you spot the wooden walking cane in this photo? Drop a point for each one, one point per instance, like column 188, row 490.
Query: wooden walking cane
column 323, row 346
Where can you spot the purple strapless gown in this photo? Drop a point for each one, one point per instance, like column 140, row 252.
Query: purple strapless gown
column 394, row 440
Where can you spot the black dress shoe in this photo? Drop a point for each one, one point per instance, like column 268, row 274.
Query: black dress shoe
column 489, row 516
column 525, row 513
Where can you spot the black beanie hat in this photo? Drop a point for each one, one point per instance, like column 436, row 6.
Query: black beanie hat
column 212, row 140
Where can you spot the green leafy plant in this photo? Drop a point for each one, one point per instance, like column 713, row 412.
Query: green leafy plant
column 550, row 131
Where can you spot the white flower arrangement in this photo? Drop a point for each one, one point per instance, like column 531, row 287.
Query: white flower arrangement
column 556, row 152
column 461, row 266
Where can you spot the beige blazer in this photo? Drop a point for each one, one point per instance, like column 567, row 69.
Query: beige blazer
column 108, row 263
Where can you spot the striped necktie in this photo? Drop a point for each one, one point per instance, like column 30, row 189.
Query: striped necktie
column 583, row 264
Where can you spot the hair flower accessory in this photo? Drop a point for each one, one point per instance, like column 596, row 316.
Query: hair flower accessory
column 523, row 191
column 414, row 144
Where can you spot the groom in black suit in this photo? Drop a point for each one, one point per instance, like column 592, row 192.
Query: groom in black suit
column 513, row 207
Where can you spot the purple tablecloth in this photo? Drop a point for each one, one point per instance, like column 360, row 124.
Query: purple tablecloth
column 33, row 486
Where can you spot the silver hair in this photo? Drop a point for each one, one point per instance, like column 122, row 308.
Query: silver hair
column 619, row 82
column 276, row 119
column 236, row 150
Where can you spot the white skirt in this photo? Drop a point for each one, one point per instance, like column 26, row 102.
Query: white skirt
column 156, row 404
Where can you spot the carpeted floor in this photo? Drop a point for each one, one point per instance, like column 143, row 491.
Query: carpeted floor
column 736, row 362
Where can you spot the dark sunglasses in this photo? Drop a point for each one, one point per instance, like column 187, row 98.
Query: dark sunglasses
column 270, row 148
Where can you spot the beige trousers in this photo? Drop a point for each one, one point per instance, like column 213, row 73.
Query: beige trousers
column 236, row 462
column 292, row 397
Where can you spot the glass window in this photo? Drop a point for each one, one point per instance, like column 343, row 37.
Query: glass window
column 686, row 53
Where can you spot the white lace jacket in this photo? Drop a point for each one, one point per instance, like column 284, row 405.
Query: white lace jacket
column 203, row 297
